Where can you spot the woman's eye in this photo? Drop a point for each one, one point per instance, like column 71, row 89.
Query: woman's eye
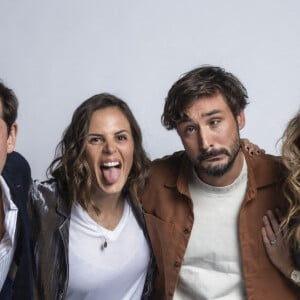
column 96, row 140
column 121, row 137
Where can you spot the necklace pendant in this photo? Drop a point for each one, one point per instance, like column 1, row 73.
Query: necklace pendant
column 105, row 244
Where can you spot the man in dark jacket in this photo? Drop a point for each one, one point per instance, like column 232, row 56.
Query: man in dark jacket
column 15, row 178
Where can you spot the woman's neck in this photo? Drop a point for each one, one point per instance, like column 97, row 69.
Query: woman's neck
column 110, row 210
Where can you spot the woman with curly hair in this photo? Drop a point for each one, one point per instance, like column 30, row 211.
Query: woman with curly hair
column 281, row 233
column 88, row 233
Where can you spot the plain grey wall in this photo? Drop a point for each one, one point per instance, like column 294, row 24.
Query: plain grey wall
column 57, row 53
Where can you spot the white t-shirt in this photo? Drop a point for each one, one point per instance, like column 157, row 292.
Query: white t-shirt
column 212, row 263
column 114, row 273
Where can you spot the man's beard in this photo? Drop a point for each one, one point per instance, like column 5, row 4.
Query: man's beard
column 219, row 169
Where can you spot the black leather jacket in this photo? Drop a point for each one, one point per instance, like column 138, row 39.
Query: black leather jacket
column 50, row 220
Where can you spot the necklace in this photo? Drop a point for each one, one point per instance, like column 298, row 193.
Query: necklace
column 104, row 245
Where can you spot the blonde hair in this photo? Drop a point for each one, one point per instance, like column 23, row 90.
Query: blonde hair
column 291, row 188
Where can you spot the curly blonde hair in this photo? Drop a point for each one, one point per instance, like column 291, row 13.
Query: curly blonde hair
column 291, row 188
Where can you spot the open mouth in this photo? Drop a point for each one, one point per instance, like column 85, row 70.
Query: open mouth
column 111, row 171
column 111, row 164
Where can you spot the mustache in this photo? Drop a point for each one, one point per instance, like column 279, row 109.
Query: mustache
column 208, row 154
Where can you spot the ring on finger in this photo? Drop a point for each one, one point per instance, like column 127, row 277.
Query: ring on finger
column 273, row 242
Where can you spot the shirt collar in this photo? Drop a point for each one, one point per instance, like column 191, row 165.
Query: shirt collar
column 8, row 204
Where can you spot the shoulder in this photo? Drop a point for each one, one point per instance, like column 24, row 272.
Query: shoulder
column 17, row 170
column 166, row 171
column 15, row 162
column 265, row 161
column 43, row 188
column 168, row 163
column 43, row 194
column 265, row 168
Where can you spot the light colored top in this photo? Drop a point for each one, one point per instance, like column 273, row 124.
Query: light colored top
column 8, row 242
column 116, row 272
column 212, row 263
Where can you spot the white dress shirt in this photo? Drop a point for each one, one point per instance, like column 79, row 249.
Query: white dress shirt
column 8, row 242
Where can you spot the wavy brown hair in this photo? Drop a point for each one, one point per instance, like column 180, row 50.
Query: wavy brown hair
column 205, row 81
column 70, row 168
column 291, row 187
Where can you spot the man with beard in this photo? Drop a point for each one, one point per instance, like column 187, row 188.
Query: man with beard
column 204, row 206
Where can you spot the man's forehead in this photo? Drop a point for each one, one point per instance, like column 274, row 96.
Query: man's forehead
column 206, row 106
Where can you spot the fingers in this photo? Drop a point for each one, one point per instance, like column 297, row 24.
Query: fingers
column 271, row 228
column 265, row 239
column 274, row 222
column 279, row 214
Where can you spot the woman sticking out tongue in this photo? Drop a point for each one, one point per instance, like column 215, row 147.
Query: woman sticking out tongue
column 90, row 210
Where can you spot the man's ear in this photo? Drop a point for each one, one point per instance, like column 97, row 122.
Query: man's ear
column 240, row 119
column 11, row 140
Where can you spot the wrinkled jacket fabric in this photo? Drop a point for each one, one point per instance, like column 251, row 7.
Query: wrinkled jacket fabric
column 50, row 221
column 169, row 217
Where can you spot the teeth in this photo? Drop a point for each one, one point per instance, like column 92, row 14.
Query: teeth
column 110, row 164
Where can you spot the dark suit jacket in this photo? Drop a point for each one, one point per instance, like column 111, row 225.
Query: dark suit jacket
column 17, row 174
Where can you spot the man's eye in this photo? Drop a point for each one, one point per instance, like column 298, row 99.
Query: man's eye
column 190, row 129
column 214, row 122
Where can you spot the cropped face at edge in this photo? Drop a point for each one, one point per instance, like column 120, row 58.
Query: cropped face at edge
column 210, row 135
column 7, row 141
column 109, row 150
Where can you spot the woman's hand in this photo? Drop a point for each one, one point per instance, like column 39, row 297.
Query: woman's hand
column 276, row 243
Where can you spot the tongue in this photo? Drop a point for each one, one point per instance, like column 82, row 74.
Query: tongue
column 111, row 175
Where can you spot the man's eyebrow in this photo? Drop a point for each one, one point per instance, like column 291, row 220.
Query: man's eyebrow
column 185, row 118
column 212, row 112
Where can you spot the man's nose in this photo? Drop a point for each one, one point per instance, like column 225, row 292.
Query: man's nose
column 204, row 139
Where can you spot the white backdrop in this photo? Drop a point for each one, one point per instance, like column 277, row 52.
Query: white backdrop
column 57, row 53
